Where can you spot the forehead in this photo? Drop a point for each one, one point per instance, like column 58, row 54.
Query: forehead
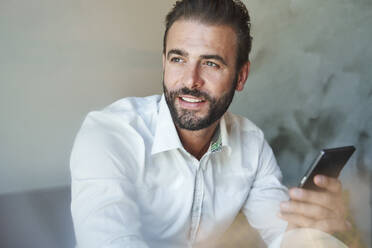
column 200, row 38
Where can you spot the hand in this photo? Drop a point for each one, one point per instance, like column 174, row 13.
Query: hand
column 323, row 210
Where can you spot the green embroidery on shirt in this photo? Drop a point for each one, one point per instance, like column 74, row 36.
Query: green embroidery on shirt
column 217, row 146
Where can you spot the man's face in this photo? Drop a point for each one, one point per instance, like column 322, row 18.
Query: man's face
column 199, row 72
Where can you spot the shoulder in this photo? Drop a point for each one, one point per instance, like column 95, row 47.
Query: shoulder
column 131, row 108
column 243, row 127
column 134, row 104
column 113, row 135
column 247, row 140
column 124, row 113
column 257, row 152
column 126, row 117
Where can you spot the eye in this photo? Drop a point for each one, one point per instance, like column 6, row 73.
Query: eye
column 176, row 60
column 211, row 64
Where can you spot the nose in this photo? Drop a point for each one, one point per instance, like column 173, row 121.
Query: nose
column 192, row 76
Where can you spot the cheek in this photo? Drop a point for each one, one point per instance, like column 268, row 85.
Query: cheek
column 212, row 76
column 172, row 76
column 217, row 83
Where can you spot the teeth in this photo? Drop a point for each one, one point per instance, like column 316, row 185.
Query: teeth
column 190, row 99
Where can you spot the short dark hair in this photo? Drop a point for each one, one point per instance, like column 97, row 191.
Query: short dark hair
column 215, row 12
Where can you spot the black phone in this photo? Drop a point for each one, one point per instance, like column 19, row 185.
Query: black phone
column 329, row 163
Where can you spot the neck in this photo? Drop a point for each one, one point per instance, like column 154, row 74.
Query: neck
column 197, row 142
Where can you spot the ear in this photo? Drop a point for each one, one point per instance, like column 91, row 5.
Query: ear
column 242, row 77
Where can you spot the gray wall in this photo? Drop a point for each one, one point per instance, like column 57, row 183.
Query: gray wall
column 59, row 60
column 310, row 84
column 311, row 87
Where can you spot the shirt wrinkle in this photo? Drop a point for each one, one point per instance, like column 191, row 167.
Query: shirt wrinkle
column 171, row 197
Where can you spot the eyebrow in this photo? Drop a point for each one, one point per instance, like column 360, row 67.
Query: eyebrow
column 215, row 57
column 177, row 52
column 185, row 54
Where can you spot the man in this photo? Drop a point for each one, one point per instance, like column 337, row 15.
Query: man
column 174, row 170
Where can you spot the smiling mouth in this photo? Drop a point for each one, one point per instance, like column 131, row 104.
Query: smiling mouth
column 191, row 99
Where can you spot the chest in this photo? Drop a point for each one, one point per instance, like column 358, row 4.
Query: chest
column 179, row 195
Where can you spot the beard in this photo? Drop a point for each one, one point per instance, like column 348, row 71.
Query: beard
column 188, row 119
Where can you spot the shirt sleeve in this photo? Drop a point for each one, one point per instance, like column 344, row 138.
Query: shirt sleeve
column 262, row 204
column 103, row 206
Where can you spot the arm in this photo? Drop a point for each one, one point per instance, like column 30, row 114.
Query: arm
column 262, row 205
column 104, row 209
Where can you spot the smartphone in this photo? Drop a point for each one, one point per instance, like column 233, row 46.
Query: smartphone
column 329, row 163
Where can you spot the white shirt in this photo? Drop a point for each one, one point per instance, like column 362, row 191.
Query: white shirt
column 134, row 185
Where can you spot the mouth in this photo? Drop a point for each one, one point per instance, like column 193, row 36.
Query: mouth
column 191, row 102
column 191, row 99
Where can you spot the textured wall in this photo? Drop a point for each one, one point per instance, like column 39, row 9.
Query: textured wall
column 311, row 87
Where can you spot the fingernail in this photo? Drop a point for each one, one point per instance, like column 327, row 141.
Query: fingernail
column 320, row 179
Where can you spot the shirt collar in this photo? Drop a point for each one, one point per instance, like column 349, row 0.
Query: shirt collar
column 166, row 136
column 221, row 138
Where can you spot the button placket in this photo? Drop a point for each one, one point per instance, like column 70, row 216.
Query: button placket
column 197, row 203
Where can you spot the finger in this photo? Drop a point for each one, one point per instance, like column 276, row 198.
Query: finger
column 328, row 183
column 324, row 199
column 309, row 210
column 297, row 220
column 326, row 225
column 332, row 225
